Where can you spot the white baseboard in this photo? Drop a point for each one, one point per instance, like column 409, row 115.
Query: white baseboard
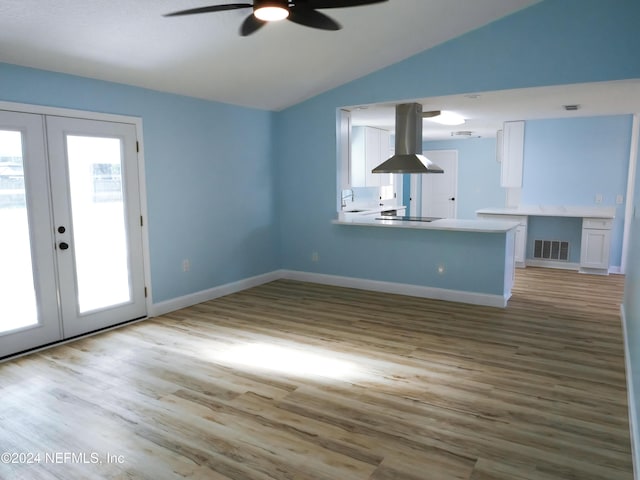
column 631, row 400
column 212, row 293
column 474, row 298
column 185, row 301
column 534, row 262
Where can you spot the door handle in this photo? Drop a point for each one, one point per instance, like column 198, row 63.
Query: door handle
column 63, row 245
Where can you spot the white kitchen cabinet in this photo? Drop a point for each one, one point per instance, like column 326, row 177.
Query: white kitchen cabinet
column 369, row 148
column 596, row 245
column 512, row 154
column 521, row 244
column 520, row 234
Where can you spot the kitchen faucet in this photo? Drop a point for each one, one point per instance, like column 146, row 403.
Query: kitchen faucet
column 344, row 197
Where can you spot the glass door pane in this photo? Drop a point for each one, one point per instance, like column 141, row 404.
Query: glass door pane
column 18, row 307
column 96, row 210
column 99, row 221
column 29, row 314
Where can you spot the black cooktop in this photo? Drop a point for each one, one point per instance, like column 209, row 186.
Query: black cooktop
column 408, row 219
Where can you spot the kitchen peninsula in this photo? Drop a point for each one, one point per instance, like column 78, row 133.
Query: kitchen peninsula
column 595, row 236
column 470, row 261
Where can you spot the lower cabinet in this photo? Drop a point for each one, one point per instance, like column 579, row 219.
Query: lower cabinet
column 594, row 248
column 521, row 234
column 521, row 245
column 596, row 245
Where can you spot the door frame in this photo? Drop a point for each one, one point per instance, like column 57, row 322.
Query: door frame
column 416, row 182
column 142, row 188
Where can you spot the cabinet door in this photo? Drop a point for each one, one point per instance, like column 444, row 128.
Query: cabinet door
column 376, row 152
column 372, row 156
column 512, row 154
column 595, row 248
column 521, row 245
column 369, row 148
column 384, row 149
column 520, row 256
column 358, row 167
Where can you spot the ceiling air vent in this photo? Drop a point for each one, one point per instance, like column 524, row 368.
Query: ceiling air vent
column 571, row 108
column 462, row 133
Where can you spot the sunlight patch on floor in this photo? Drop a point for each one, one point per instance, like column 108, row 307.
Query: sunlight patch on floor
column 305, row 362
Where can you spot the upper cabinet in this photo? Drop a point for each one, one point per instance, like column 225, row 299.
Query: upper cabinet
column 369, row 148
column 512, row 154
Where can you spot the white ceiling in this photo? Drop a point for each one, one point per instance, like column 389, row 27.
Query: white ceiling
column 486, row 111
column 129, row 41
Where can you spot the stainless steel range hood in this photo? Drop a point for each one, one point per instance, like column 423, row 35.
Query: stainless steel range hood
column 408, row 157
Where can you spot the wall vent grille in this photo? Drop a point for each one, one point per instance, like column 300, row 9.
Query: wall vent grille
column 551, row 250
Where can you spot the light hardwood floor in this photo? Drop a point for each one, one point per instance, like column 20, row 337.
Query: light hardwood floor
column 300, row 381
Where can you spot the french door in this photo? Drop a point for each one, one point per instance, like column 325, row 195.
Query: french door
column 71, row 258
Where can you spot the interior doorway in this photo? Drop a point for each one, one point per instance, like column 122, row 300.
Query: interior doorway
column 435, row 195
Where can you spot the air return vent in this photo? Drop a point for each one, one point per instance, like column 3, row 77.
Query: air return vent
column 551, row 250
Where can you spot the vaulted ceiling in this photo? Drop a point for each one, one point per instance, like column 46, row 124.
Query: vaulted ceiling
column 203, row 56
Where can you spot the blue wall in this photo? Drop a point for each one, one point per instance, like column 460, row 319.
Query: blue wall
column 478, row 174
column 632, row 297
column 569, row 161
column 210, row 192
column 582, row 40
column 555, row 228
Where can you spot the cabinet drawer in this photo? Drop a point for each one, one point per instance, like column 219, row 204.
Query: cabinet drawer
column 597, row 223
column 522, row 220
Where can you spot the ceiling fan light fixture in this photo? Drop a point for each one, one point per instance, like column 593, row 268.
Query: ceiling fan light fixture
column 302, row 12
column 271, row 11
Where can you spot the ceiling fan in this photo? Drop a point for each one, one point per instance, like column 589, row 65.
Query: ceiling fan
column 302, row 12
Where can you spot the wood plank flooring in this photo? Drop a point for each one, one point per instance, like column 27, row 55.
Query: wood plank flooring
column 301, row 381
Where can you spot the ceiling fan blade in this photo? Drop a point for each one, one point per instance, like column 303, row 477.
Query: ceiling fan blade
column 250, row 25
column 212, row 8
column 340, row 3
column 310, row 18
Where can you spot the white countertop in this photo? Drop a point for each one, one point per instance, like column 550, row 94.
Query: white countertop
column 355, row 209
column 451, row 224
column 553, row 211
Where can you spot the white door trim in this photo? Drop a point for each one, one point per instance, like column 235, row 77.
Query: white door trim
column 631, row 182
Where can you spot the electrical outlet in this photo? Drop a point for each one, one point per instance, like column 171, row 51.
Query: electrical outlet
column 186, row 265
column 315, row 257
column 598, row 198
column 619, row 200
